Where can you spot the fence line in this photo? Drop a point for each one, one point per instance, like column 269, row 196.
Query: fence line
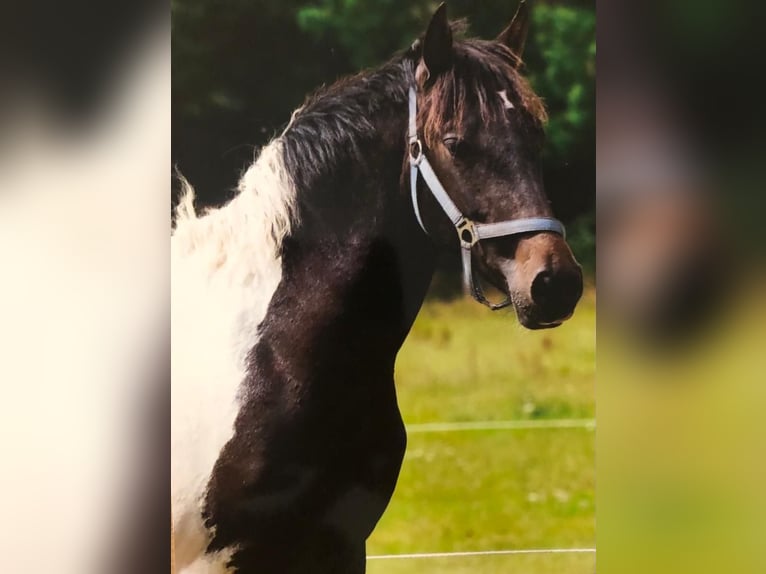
column 494, row 425
column 484, row 553
column 502, row 425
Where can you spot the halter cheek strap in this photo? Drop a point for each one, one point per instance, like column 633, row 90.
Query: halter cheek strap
column 469, row 232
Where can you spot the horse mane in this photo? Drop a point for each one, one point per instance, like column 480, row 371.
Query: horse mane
column 334, row 124
column 255, row 222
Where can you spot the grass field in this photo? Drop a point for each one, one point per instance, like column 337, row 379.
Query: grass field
column 475, row 490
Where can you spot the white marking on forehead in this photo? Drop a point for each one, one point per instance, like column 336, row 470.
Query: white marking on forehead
column 504, row 96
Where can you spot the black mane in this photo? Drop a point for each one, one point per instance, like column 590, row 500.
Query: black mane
column 335, row 124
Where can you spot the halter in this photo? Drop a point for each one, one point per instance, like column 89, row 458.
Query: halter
column 469, row 232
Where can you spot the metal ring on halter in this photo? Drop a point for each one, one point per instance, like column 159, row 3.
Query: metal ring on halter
column 416, row 158
column 466, row 231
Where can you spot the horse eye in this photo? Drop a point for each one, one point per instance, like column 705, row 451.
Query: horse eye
column 452, row 142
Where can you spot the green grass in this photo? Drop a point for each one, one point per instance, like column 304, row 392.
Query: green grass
column 536, row 564
column 493, row 490
column 462, row 362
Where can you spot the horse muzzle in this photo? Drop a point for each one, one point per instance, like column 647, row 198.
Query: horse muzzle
column 544, row 280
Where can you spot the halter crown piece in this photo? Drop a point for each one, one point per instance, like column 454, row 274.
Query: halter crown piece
column 469, row 232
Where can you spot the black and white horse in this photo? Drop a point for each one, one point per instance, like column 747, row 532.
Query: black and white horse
column 290, row 303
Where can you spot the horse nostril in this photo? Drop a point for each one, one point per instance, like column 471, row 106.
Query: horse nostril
column 543, row 287
column 556, row 292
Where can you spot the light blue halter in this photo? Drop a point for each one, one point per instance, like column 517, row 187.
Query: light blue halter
column 469, row 232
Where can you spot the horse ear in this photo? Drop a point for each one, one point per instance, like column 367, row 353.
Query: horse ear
column 437, row 44
column 515, row 35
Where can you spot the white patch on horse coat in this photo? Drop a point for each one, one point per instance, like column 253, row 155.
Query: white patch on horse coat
column 225, row 267
column 504, row 96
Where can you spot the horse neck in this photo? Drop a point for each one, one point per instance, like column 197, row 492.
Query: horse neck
column 357, row 267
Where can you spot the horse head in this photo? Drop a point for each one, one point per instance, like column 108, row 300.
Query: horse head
column 480, row 126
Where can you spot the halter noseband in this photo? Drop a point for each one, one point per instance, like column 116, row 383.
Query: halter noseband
column 469, row 232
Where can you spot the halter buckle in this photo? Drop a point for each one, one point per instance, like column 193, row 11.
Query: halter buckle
column 466, row 231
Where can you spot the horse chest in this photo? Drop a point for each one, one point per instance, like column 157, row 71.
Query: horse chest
column 305, row 469
column 315, row 437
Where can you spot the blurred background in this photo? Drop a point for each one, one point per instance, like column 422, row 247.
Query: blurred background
column 500, row 420
column 680, row 207
column 84, row 330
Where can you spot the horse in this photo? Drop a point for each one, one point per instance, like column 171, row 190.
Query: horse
column 290, row 302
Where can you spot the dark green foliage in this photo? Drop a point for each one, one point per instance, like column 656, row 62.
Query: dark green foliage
column 562, row 68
